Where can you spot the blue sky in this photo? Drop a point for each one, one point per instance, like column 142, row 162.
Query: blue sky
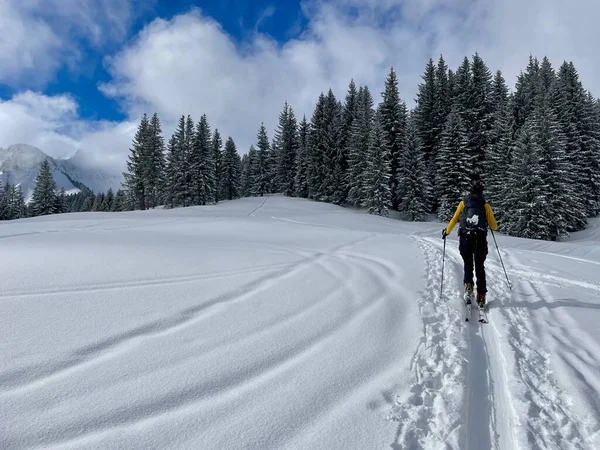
column 281, row 20
column 79, row 74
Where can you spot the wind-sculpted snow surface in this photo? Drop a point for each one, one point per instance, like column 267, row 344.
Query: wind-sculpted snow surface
column 278, row 323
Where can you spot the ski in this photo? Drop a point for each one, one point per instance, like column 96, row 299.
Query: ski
column 482, row 314
column 468, row 298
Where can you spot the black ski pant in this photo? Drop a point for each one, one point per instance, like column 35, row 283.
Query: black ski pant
column 474, row 249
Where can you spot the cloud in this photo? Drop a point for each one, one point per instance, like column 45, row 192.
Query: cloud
column 52, row 124
column 40, row 36
column 189, row 65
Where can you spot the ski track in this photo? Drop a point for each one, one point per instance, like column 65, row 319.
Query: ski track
column 478, row 386
column 188, row 400
column 428, row 417
column 27, row 378
column 550, row 422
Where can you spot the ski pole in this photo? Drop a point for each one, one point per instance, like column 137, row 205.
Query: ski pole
column 443, row 259
column 500, row 256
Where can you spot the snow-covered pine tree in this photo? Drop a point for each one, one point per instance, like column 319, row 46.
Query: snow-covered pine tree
column 43, row 200
column 154, row 162
column 425, row 117
column 285, row 147
column 590, row 150
column 414, row 184
column 453, row 160
column 186, row 191
column 316, row 143
column 61, row 201
column 302, row 160
column 377, row 192
column 248, row 163
column 530, row 215
column 442, row 107
column 231, row 171
column 551, row 144
column 349, row 113
column 261, row 174
column 360, row 138
column 480, row 114
column 334, row 177
column 393, row 113
column 4, row 202
column 497, row 153
column 89, row 202
column 119, row 201
column 135, row 177
column 202, row 167
column 570, row 114
column 173, row 162
column 217, row 148
column 526, row 92
column 19, row 207
column 109, row 201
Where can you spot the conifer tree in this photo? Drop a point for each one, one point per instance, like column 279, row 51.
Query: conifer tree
column 173, row 162
column 316, row 144
column 108, row 200
column 248, row 171
column 119, row 201
column 414, row 185
column 135, row 177
column 333, row 183
column 88, row 203
column 349, row 114
column 260, row 169
column 550, row 143
column 530, row 215
column 360, row 139
column 202, row 164
column 302, row 161
column 377, row 192
column 154, row 163
column 570, row 111
column 285, row 147
column 393, row 122
column 454, row 177
column 231, row 171
column 43, row 200
column 479, row 115
column 61, row 201
column 497, row 153
column 217, row 146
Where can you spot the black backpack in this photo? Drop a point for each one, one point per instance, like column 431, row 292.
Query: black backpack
column 473, row 218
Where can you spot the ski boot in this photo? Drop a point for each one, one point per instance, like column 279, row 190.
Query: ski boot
column 469, row 296
column 481, row 303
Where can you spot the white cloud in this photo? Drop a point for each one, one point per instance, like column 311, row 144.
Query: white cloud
column 40, row 36
column 189, row 65
column 53, row 125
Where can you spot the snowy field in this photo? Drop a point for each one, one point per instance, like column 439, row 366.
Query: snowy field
column 277, row 323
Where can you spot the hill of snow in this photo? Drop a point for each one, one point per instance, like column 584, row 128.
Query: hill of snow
column 278, row 323
column 20, row 164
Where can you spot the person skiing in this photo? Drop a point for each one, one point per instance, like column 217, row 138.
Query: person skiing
column 475, row 215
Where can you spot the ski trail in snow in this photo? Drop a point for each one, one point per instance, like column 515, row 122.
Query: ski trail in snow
column 489, row 361
column 551, row 422
column 25, row 379
column 490, row 418
column 431, row 417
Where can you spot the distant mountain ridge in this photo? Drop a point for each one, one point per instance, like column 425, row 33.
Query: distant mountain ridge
column 20, row 164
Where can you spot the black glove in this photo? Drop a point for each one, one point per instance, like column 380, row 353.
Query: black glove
column 444, row 234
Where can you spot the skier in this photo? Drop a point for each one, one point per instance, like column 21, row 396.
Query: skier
column 475, row 215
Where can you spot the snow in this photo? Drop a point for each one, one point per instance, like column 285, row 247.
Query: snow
column 270, row 323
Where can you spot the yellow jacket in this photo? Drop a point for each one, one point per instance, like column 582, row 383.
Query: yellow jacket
column 489, row 214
